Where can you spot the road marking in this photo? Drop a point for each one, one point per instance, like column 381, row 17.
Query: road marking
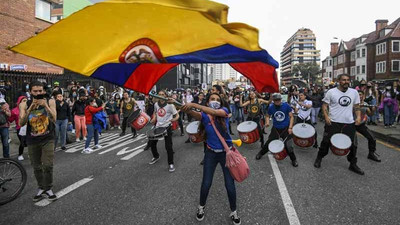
column 124, row 150
column 138, row 138
column 65, row 191
column 133, row 154
column 80, row 147
column 287, row 202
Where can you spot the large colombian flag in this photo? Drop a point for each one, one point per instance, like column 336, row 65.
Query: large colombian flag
column 133, row 43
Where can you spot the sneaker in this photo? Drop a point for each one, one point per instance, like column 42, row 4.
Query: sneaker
column 38, row 196
column 21, row 158
column 9, row 140
column 97, row 147
column 119, row 128
column 356, row 169
column 134, row 135
column 154, row 160
column 63, row 148
column 78, row 140
column 200, row 213
column 259, row 156
column 171, row 168
column 122, row 134
column 294, row 163
column 147, row 147
column 84, row 138
column 182, row 134
column 50, row 195
column 73, row 131
column 392, row 126
column 235, row 218
column 87, row 151
column 188, row 140
column 372, row 156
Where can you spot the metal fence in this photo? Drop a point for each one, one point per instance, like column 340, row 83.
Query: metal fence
column 18, row 79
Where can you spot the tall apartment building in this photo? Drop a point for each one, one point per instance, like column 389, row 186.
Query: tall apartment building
column 223, row 72
column 372, row 56
column 300, row 48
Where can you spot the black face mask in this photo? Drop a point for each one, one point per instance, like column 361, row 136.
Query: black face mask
column 162, row 105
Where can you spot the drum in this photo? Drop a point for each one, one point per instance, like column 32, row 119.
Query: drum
column 303, row 135
column 340, row 144
column 138, row 119
column 174, row 125
column 277, row 147
column 193, row 130
column 248, row 132
column 156, row 133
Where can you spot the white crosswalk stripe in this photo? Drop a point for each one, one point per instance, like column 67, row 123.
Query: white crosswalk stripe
column 139, row 137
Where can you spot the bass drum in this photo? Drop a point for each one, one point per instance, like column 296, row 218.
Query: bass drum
column 303, row 135
column 248, row 132
column 193, row 130
column 277, row 148
column 138, row 119
column 340, row 144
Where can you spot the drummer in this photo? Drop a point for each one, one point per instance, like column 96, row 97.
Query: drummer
column 214, row 154
column 255, row 111
column 303, row 110
column 164, row 114
column 283, row 120
column 128, row 105
column 367, row 110
column 341, row 101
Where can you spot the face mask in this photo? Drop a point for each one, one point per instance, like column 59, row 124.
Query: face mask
column 27, row 87
column 214, row 104
column 95, row 105
column 388, row 87
column 74, row 95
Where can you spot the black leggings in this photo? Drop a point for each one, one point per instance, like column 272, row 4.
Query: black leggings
column 22, row 143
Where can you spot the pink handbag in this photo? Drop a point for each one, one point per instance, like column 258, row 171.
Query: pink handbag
column 235, row 162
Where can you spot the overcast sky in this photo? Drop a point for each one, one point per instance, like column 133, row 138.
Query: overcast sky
column 278, row 20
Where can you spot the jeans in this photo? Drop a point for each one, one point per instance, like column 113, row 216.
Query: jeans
column 80, row 123
column 41, row 156
column 239, row 114
column 61, row 132
column 211, row 159
column 4, row 139
column 168, row 146
column 233, row 111
column 388, row 115
column 314, row 114
column 91, row 132
column 373, row 117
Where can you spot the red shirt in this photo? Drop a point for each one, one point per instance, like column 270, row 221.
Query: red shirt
column 89, row 112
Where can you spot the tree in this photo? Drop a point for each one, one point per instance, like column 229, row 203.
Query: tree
column 307, row 70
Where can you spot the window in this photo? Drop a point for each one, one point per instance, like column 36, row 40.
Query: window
column 353, row 71
column 358, row 53
column 381, row 67
column 363, row 52
column 42, row 10
column 358, row 69
column 395, row 65
column 381, row 48
column 353, row 56
column 363, row 69
column 395, row 46
column 334, row 61
column 330, row 62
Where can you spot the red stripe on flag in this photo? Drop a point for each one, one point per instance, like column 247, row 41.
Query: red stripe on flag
column 147, row 75
column 262, row 75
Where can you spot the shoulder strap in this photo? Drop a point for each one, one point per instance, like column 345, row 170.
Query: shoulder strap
column 218, row 134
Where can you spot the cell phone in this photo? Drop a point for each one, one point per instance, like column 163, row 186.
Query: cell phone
column 39, row 96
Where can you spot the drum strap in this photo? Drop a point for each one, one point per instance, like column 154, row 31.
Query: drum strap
column 279, row 134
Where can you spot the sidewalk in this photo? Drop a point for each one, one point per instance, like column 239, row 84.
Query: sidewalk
column 388, row 135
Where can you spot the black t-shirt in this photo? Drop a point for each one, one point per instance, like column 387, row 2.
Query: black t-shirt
column 39, row 126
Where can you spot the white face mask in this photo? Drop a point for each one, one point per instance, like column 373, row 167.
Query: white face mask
column 214, row 104
column 388, row 87
column 94, row 105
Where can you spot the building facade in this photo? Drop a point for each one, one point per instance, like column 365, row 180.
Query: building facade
column 22, row 20
column 222, row 72
column 300, row 48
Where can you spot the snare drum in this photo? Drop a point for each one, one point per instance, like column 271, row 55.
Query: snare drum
column 156, row 133
column 138, row 119
column 303, row 135
column 193, row 130
column 340, row 144
column 277, row 147
column 248, row 132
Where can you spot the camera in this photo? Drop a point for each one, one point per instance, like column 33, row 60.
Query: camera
column 38, row 96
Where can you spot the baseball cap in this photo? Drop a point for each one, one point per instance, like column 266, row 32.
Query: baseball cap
column 276, row 96
column 56, row 83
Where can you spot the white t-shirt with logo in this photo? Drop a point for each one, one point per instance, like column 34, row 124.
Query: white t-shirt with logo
column 164, row 115
column 341, row 104
column 303, row 112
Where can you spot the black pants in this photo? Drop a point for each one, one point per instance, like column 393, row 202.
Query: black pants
column 124, row 124
column 181, row 124
column 334, row 128
column 168, row 146
column 283, row 134
column 22, row 143
column 300, row 120
column 364, row 131
column 257, row 120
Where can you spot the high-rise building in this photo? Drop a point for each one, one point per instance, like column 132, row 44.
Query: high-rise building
column 299, row 48
column 223, row 72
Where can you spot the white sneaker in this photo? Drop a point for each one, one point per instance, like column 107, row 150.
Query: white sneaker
column 78, row 140
column 21, row 158
column 9, row 140
column 73, row 131
column 119, row 128
column 97, row 147
column 87, row 151
column 84, row 138
column 171, row 168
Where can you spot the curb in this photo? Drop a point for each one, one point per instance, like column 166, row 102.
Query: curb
column 386, row 138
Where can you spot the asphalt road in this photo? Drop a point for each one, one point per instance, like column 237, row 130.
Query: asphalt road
column 116, row 185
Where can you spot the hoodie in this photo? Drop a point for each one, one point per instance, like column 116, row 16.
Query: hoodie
column 15, row 113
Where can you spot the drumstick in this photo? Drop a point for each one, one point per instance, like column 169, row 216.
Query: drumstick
column 166, row 99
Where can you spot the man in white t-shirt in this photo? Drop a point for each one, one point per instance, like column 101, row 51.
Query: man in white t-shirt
column 303, row 110
column 341, row 100
column 164, row 114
